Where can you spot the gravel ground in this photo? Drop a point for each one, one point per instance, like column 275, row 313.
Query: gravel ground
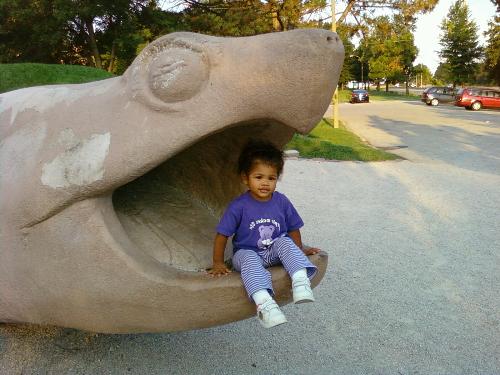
column 413, row 285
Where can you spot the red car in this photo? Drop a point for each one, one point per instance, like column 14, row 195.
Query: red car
column 477, row 98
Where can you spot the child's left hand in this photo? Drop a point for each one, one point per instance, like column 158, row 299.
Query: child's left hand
column 311, row 250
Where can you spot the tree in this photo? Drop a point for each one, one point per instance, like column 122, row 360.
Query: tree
column 492, row 50
column 460, row 48
column 497, row 3
column 290, row 14
column 365, row 12
column 121, row 42
column 90, row 20
column 222, row 18
column 358, row 65
column 442, row 75
column 223, row 15
column 250, row 17
column 109, row 33
column 405, row 50
column 380, row 44
column 391, row 51
column 32, row 31
column 102, row 33
column 423, row 73
column 346, row 74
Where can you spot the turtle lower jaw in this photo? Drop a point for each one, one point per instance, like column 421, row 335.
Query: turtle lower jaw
column 133, row 260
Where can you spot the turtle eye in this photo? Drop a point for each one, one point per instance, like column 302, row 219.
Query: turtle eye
column 177, row 74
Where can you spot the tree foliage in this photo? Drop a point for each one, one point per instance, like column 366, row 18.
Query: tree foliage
column 350, row 60
column 442, row 75
column 249, row 17
column 497, row 3
column 492, row 50
column 32, row 31
column 244, row 17
column 423, row 74
column 221, row 18
column 109, row 33
column 100, row 33
column 365, row 12
column 390, row 49
column 459, row 41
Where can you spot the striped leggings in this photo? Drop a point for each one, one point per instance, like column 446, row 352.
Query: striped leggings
column 252, row 264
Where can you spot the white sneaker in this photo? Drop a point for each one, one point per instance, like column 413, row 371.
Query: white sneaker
column 302, row 291
column 269, row 314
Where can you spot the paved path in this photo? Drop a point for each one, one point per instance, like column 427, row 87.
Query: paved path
column 414, row 280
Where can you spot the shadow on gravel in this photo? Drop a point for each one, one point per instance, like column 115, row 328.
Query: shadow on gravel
column 475, row 149
column 410, row 289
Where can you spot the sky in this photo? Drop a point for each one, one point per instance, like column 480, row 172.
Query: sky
column 428, row 29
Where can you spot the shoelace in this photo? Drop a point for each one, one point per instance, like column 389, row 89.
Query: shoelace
column 301, row 282
column 268, row 305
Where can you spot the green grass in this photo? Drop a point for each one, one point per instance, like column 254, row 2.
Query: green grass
column 17, row 76
column 326, row 142
column 344, row 96
column 382, row 95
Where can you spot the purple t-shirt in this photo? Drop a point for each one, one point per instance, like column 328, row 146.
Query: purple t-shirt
column 256, row 224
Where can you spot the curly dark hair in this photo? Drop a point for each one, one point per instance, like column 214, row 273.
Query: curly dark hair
column 263, row 151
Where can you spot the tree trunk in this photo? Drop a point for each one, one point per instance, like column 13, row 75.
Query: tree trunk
column 386, row 86
column 407, row 87
column 276, row 23
column 93, row 44
column 346, row 11
column 111, row 65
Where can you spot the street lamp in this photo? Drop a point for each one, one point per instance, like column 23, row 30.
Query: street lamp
column 360, row 59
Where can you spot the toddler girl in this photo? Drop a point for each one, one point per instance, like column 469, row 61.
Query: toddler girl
column 266, row 231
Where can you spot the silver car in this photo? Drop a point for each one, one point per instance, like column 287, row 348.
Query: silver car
column 435, row 95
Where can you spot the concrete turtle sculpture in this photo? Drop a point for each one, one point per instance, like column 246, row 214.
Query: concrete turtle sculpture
column 110, row 190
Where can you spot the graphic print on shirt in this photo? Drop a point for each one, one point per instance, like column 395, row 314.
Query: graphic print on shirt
column 266, row 236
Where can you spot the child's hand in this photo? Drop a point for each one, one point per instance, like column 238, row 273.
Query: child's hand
column 311, row 250
column 219, row 270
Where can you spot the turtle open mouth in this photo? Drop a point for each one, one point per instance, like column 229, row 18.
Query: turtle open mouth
column 112, row 190
column 171, row 212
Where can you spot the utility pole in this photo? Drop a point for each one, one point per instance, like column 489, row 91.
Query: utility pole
column 362, row 75
column 336, row 94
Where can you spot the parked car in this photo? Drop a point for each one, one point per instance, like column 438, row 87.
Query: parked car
column 359, row 96
column 477, row 98
column 435, row 95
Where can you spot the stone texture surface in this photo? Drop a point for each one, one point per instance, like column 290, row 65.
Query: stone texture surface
column 109, row 191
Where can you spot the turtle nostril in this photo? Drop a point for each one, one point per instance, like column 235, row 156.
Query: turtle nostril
column 329, row 38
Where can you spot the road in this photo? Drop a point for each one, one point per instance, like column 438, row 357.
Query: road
column 402, row 90
column 413, row 285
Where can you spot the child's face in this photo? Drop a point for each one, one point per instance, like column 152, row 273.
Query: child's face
column 261, row 181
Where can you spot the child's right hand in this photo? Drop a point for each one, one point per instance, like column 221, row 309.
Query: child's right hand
column 219, row 270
